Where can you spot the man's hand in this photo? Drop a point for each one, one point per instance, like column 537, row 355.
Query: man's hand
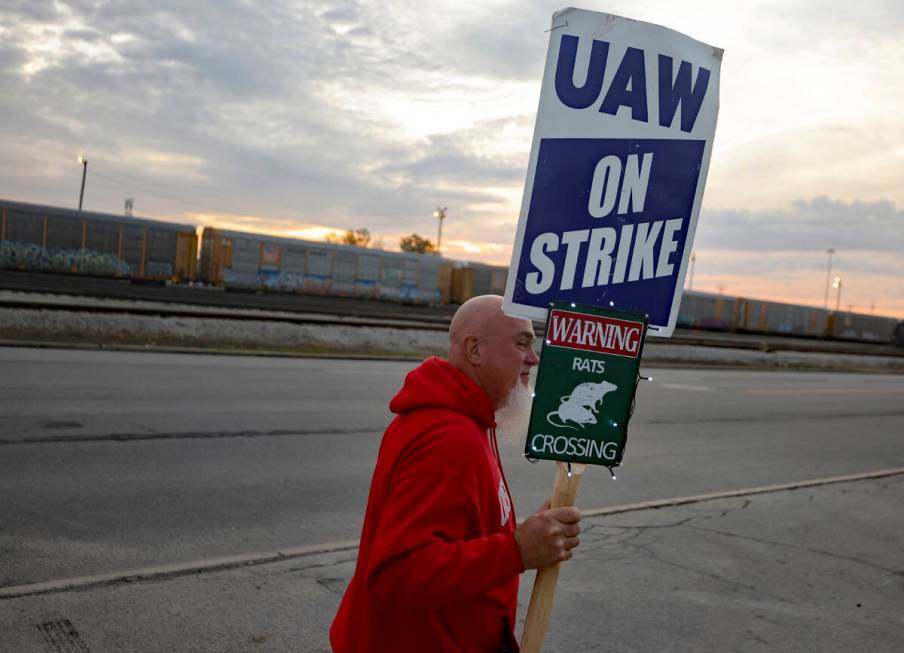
column 548, row 536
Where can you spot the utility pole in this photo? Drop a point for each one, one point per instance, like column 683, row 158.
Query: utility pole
column 690, row 285
column 440, row 214
column 837, row 284
column 829, row 251
column 84, row 161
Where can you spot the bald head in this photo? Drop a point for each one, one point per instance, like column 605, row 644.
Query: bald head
column 492, row 348
column 475, row 316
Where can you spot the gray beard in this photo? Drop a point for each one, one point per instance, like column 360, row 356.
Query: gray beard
column 513, row 417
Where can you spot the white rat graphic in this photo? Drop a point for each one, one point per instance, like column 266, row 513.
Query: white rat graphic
column 581, row 405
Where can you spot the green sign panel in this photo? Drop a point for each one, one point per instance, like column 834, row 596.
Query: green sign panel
column 589, row 367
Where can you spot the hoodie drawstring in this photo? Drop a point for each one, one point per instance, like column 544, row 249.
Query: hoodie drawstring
column 499, row 466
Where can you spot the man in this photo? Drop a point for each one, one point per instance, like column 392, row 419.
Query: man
column 440, row 554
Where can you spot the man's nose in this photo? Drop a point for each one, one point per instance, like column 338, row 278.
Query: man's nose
column 532, row 358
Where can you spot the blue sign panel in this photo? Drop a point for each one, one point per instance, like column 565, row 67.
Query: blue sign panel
column 608, row 222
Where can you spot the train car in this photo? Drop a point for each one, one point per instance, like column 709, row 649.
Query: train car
column 870, row 328
column 700, row 310
column 785, row 319
column 54, row 239
column 236, row 260
column 761, row 316
column 471, row 279
column 709, row 311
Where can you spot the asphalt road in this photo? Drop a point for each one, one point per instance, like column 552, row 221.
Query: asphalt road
column 113, row 461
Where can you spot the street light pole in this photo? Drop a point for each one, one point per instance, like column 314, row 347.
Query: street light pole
column 81, row 195
column 440, row 214
column 829, row 251
column 690, row 285
column 837, row 284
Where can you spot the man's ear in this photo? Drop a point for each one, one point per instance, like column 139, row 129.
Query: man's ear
column 472, row 350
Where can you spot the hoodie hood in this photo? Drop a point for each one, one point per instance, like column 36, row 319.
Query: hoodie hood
column 437, row 384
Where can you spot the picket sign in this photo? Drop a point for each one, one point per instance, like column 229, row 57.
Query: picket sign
column 615, row 179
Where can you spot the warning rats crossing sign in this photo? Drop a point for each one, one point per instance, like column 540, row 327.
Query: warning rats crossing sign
column 586, row 384
column 618, row 164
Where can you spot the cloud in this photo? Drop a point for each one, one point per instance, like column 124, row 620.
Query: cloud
column 808, row 225
column 252, row 95
column 883, row 17
column 445, row 158
column 363, row 114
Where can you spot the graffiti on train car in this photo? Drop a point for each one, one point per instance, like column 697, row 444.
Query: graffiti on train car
column 29, row 256
column 53, row 239
column 246, row 260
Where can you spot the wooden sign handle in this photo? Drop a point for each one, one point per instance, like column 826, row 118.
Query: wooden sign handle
column 564, row 491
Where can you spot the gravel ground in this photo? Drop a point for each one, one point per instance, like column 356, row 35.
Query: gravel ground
column 73, row 328
column 213, row 333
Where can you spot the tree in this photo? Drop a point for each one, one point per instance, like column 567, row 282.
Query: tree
column 357, row 237
column 415, row 243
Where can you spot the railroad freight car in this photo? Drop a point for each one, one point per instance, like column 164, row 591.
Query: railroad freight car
column 762, row 316
column 857, row 326
column 709, row 311
column 242, row 260
column 53, row 239
column 701, row 310
column 472, row 279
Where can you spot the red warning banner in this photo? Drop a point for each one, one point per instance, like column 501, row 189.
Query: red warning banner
column 604, row 335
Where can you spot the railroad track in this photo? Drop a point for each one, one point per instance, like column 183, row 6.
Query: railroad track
column 112, row 296
column 255, row 315
column 103, row 288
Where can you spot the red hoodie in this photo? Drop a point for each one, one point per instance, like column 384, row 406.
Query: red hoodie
column 438, row 564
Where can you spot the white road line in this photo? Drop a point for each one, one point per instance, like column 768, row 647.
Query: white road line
column 164, row 572
column 842, row 392
column 684, row 386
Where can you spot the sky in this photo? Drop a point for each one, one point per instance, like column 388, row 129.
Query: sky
column 302, row 118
